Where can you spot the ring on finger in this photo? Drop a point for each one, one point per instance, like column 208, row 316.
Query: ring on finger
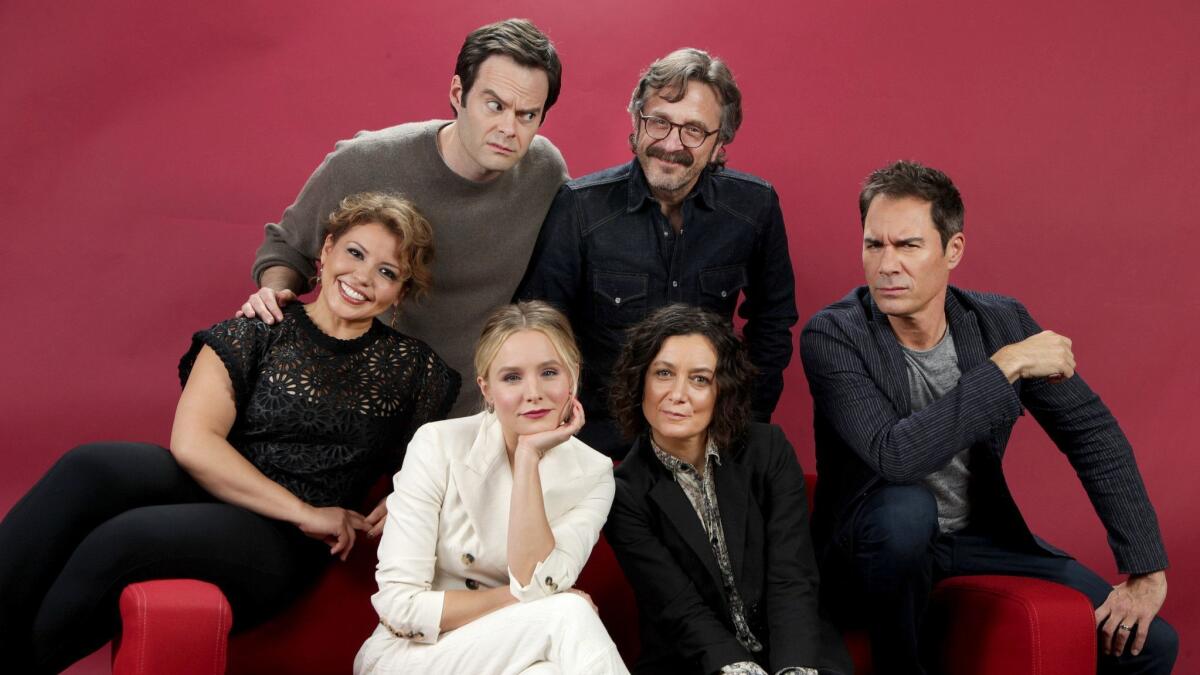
column 1124, row 628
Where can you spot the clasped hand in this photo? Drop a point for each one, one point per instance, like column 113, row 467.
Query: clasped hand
column 333, row 525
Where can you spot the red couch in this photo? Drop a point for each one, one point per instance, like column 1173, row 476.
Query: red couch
column 992, row 625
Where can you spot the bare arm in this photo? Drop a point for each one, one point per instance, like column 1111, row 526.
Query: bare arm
column 529, row 537
column 278, row 286
column 530, row 540
column 462, row 607
column 205, row 414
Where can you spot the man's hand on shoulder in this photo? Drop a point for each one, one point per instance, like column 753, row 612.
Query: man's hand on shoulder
column 267, row 304
column 279, row 285
column 1128, row 611
column 1046, row 354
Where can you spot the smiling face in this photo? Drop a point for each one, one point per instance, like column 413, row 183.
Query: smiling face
column 679, row 393
column 672, row 169
column 497, row 119
column 528, row 384
column 361, row 275
column 907, row 268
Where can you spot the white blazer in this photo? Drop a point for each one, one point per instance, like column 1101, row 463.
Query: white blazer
column 447, row 524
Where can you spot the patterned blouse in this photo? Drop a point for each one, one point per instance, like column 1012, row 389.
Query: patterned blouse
column 700, row 488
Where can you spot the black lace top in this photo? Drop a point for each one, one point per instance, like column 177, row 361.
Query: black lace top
column 325, row 417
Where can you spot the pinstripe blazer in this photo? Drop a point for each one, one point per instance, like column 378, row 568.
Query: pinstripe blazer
column 867, row 435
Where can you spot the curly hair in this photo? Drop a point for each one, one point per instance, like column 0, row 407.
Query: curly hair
column 398, row 216
column 734, row 373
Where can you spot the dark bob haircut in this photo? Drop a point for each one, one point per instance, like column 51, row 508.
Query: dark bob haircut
column 731, row 415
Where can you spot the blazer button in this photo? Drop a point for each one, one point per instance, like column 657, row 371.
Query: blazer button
column 617, row 301
column 472, row 584
column 467, row 559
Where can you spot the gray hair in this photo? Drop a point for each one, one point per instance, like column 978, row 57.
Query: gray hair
column 672, row 74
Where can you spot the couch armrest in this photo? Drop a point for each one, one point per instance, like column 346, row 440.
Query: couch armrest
column 178, row 626
column 989, row 624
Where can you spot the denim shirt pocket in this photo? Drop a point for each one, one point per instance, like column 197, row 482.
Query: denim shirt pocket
column 719, row 287
column 619, row 298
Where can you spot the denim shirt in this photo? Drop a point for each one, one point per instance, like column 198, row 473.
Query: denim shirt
column 607, row 256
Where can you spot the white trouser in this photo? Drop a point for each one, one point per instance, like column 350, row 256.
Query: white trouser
column 558, row 634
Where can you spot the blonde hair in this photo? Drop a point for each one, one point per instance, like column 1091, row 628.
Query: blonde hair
column 400, row 217
column 532, row 315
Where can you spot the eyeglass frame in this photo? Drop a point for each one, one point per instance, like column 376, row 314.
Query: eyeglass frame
column 673, row 126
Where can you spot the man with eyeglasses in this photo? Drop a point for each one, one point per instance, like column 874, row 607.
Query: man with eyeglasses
column 672, row 226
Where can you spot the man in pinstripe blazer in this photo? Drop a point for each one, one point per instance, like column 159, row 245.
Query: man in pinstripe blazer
column 916, row 386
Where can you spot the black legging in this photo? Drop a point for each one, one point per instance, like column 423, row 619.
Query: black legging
column 110, row 514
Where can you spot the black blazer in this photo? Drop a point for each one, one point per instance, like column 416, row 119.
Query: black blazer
column 867, row 435
column 661, row 545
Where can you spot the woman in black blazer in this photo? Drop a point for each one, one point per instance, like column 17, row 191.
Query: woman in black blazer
column 710, row 519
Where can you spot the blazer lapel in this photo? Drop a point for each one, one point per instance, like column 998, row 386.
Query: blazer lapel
column 679, row 512
column 964, row 327
column 733, row 493
column 893, row 379
column 563, row 479
column 484, row 484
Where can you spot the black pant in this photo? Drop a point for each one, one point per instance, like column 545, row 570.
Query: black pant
column 110, row 514
column 897, row 555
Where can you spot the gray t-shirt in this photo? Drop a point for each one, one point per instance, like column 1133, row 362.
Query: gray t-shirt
column 931, row 374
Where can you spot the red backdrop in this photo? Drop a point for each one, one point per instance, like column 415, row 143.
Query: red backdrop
column 144, row 144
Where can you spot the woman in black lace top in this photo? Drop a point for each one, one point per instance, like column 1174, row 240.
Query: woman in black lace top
column 279, row 433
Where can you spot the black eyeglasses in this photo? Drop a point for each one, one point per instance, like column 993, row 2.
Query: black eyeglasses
column 690, row 135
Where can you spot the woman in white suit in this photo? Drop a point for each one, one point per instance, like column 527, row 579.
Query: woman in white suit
column 492, row 519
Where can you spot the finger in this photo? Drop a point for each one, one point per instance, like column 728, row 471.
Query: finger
column 247, row 310
column 260, row 310
column 377, row 513
column 1121, row 636
column 1139, row 636
column 1106, row 634
column 271, row 304
column 356, row 521
column 349, row 544
column 376, row 530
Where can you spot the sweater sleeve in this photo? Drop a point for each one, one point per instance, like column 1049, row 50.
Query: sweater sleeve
column 295, row 241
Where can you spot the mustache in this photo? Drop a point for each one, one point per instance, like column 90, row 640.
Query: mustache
column 682, row 157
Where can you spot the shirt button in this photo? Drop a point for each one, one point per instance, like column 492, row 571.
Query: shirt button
column 674, row 284
column 472, row 584
column 467, row 559
column 723, row 294
column 617, row 300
